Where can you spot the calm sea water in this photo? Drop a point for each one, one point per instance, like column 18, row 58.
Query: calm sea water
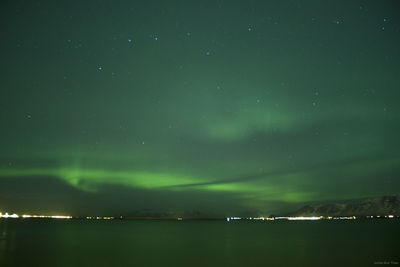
column 198, row 243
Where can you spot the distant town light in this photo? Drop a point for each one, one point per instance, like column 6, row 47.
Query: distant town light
column 304, row 218
column 24, row 216
column 61, row 217
column 6, row 215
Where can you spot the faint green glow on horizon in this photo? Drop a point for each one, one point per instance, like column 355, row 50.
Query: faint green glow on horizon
column 90, row 179
column 291, row 189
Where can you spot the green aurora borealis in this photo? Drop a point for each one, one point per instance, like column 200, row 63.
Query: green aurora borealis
column 218, row 106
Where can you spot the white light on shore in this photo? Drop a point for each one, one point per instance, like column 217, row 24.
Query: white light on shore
column 25, row 216
column 61, row 217
column 6, row 215
column 304, row 218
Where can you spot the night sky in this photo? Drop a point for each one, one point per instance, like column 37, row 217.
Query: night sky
column 224, row 107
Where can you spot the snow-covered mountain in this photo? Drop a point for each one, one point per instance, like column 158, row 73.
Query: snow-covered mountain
column 375, row 206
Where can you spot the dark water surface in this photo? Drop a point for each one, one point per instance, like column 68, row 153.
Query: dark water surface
column 198, row 243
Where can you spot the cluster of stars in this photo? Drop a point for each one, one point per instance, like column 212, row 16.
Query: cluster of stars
column 384, row 20
column 249, row 29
